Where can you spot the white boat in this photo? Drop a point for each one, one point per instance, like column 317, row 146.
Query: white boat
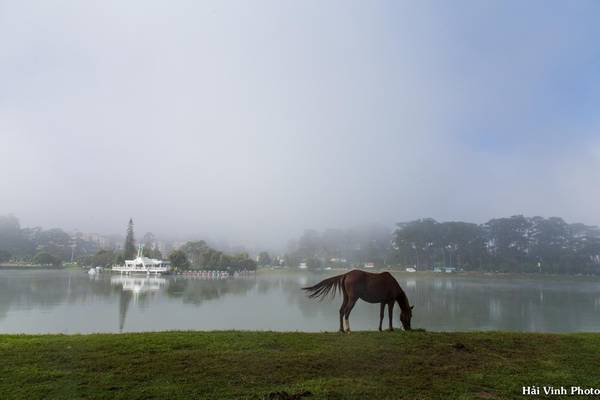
column 143, row 265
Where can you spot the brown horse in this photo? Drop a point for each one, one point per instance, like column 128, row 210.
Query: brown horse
column 372, row 288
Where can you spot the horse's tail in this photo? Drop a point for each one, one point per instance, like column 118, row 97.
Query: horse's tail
column 323, row 288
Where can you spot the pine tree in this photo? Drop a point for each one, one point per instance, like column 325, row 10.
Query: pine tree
column 129, row 248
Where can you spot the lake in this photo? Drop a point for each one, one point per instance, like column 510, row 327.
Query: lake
column 39, row 301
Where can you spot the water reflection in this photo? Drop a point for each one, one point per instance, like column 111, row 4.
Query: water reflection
column 61, row 301
column 133, row 288
column 138, row 284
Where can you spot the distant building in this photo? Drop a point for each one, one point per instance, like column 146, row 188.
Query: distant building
column 369, row 265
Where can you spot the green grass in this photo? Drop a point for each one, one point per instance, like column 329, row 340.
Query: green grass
column 251, row 365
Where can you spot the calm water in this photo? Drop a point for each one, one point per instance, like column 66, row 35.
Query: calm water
column 73, row 302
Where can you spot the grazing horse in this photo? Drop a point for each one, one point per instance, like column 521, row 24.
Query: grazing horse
column 373, row 288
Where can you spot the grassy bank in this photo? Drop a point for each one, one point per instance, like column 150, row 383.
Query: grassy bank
column 255, row 365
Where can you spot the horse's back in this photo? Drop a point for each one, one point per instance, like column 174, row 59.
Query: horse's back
column 357, row 274
column 371, row 287
column 360, row 272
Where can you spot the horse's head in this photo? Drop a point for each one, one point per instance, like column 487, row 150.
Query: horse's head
column 405, row 317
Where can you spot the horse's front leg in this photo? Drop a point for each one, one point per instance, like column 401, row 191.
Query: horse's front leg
column 381, row 315
column 391, row 313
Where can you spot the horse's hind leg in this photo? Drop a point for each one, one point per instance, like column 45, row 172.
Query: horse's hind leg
column 381, row 311
column 349, row 307
column 343, row 309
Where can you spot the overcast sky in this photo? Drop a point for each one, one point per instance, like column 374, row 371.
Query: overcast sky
column 254, row 120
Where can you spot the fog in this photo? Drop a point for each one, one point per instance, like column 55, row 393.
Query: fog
column 253, row 121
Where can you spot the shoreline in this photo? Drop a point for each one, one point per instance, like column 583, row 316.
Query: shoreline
column 428, row 273
column 30, row 267
column 338, row 271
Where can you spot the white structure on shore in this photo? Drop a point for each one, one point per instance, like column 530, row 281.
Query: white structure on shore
column 143, row 265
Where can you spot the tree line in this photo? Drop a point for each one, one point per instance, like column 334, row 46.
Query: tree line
column 198, row 255
column 194, row 255
column 39, row 246
column 513, row 244
column 54, row 247
column 341, row 247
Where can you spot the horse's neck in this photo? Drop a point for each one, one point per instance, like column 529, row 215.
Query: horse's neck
column 402, row 300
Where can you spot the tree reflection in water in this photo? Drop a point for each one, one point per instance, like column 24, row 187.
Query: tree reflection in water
column 189, row 289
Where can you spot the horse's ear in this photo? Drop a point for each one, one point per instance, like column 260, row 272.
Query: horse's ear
column 411, row 307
